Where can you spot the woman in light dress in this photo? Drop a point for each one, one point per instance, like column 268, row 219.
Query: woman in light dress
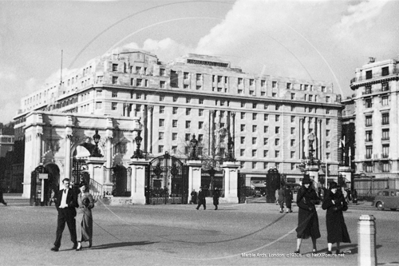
column 84, row 218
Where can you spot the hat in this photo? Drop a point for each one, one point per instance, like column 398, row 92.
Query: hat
column 306, row 180
column 333, row 185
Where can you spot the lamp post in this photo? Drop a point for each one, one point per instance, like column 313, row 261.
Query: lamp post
column 137, row 153
column 96, row 151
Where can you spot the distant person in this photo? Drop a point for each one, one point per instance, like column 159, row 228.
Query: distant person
column 308, row 221
column 65, row 204
column 51, row 198
column 280, row 199
column 335, row 204
column 1, row 197
column 216, row 196
column 194, row 196
column 354, row 196
column 201, row 199
column 84, row 218
column 288, row 196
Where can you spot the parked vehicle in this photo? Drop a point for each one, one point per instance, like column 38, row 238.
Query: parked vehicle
column 387, row 198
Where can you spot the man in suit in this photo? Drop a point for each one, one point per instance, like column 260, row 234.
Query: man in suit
column 201, row 198
column 65, row 203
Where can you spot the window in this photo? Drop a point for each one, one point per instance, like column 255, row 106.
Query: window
column 292, row 96
column 385, row 71
column 288, row 86
column 188, row 124
column 174, row 136
column 310, row 98
column 327, row 144
column 327, row 132
column 254, row 116
column 188, row 111
column 265, row 117
column 385, row 118
column 239, row 81
column 254, row 105
column 200, row 124
column 174, row 123
column 242, row 151
column 161, row 98
column 274, row 84
column 114, row 106
column 385, row 100
column 292, row 154
column 293, row 166
column 265, row 165
column 292, row 143
column 185, row 75
column 253, row 153
column 274, row 94
column 201, row 101
column 265, row 129
column 114, row 67
column 328, row 99
column 187, row 136
column 369, row 102
column 266, row 106
column 240, row 92
column 99, row 93
column 242, row 140
column 161, row 109
column 188, row 100
column 242, row 115
column 369, row 167
column 265, row 153
column 367, row 89
column 254, row 128
column 277, row 130
column 276, row 154
column 385, row 86
column 98, row 105
column 277, row 118
column 185, row 86
column 369, row 74
column 385, row 167
column 114, row 94
column 242, row 104
column 276, row 142
column 161, row 122
column 253, row 140
column 199, row 77
column 369, row 135
column 293, row 130
column 385, row 151
column 369, row 152
column 385, row 134
column 161, row 135
column 114, row 80
column 253, row 165
column 174, row 110
column 160, row 149
column 201, row 112
column 242, row 128
column 327, row 121
column 265, row 141
column 262, row 83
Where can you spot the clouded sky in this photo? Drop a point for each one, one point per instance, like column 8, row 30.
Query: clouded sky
column 314, row 39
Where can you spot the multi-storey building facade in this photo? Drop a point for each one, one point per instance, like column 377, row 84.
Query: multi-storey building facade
column 376, row 107
column 269, row 119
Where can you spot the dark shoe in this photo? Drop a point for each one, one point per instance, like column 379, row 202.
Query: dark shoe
column 75, row 246
column 329, row 252
column 338, row 252
column 54, row 249
column 296, row 251
column 197, row 209
column 281, row 211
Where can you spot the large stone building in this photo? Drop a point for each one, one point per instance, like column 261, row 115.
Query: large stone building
column 269, row 119
column 375, row 103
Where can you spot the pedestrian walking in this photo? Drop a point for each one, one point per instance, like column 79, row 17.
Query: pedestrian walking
column 84, row 217
column 201, row 199
column 335, row 204
column 216, row 196
column 51, row 198
column 280, row 199
column 65, row 204
column 354, row 196
column 308, row 221
column 1, row 197
column 288, row 196
column 194, row 196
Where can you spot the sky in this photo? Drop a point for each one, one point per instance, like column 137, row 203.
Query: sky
column 321, row 40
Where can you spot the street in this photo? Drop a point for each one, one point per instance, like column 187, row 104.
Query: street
column 236, row 234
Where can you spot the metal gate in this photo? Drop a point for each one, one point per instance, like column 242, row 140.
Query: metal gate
column 166, row 181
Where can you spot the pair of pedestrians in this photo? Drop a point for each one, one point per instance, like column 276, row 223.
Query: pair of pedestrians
column 308, row 222
column 202, row 198
column 285, row 196
column 70, row 205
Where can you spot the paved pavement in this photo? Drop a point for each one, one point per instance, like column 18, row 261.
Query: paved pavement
column 237, row 234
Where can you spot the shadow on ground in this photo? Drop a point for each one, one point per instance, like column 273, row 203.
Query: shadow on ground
column 123, row 244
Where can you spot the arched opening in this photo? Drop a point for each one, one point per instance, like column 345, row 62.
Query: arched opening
column 120, row 180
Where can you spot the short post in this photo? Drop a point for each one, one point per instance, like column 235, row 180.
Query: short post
column 367, row 253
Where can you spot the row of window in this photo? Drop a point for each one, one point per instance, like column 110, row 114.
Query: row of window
column 384, row 135
column 368, row 102
column 384, row 121
column 384, row 154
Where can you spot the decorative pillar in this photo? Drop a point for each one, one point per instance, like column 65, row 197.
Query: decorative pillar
column 231, row 181
column 301, row 141
column 366, row 230
column 149, row 126
column 138, row 180
column 107, row 183
column 95, row 165
column 194, row 175
column 233, row 118
column 68, row 137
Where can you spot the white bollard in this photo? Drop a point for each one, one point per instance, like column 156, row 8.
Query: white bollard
column 367, row 253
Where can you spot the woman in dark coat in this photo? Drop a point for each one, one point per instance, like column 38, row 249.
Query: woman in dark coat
column 335, row 204
column 84, row 217
column 288, row 198
column 308, row 221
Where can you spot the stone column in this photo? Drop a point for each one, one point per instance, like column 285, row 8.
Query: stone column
column 107, row 183
column 138, row 180
column 68, row 137
column 149, row 126
column 230, row 181
column 367, row 254
column 96, row 172
column 194, row 175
